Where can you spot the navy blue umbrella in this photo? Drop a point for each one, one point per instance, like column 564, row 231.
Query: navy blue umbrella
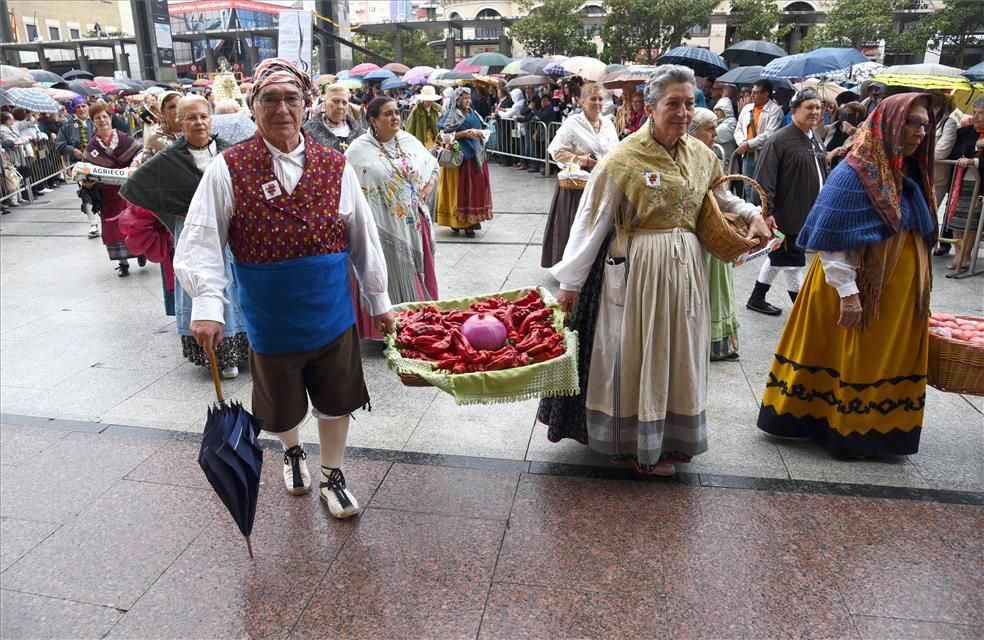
column 703, row 61
column 816, row 62
column 751, row 52
column 231, row 458
column 975, row 73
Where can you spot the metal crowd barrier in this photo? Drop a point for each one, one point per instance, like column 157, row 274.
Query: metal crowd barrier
column 44, row 164
column 968, row 247
column 523, row 140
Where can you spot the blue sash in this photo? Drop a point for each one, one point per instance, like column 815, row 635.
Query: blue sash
column 296, row 305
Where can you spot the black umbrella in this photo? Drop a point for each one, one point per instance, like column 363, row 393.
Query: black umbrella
column 753, row 52
column 231, row 458
column 79, row 87
column 747, row 76
column 75, row 74
column 45, row 76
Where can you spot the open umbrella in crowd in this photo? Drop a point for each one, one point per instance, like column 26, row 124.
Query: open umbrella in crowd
column 752, row 52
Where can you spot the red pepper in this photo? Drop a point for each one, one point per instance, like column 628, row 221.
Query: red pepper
column 536, row 315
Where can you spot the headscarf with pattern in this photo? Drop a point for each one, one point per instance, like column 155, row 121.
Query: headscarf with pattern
column 702, row 117
column 274, row 70
column 877, row 155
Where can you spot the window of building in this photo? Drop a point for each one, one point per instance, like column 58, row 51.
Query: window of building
column 700, row 32
column 488, row 14
column 32, row 32
column 593, row 11
column 54, row 33
column 74, row 34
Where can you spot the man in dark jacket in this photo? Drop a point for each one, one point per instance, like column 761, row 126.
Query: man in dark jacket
column 545, row 113
column 791, row 168
column 71, row 142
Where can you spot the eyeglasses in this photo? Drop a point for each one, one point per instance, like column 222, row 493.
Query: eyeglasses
column 914, row 124
column 293, row 100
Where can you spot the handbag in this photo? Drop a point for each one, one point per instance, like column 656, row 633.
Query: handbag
column 11, row 178
column 449, row 156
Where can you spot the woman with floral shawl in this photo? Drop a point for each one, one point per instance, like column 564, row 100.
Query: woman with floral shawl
column 464, row 197
column 397, row 175
column 850, row 369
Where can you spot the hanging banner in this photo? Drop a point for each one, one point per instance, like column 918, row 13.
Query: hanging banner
column 294, row 38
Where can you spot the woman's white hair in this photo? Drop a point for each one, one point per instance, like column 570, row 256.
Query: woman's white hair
column 187, row 102
column 663, row 76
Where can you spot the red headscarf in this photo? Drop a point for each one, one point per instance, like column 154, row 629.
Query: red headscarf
column 877, row 155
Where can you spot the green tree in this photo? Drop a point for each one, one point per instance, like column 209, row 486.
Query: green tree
column 415, row 49
column 855, row 23
column 954, row 27
column 554, row 27
column 640, row 30
column 758, row 20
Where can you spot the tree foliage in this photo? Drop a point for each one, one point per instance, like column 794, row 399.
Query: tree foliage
column 553, row 27
column 640, row 30
column 758, row 20
column 415, row 49
column 954, row 27
column 855, row 23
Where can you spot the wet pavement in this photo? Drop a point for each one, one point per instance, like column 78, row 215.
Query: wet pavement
column 474, row 524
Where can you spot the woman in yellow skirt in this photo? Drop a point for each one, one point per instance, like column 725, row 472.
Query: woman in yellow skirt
column 850, row 369
column 464, row 194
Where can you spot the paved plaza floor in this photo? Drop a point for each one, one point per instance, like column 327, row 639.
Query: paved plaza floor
column 474, row 524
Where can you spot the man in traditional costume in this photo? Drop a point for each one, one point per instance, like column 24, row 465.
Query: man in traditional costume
column 294, row 215
column 72, row 139
column 757, row 122
column 334, row 127
column 792, row 167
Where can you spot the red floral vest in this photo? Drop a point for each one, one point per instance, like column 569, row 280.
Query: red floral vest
column 284, row 226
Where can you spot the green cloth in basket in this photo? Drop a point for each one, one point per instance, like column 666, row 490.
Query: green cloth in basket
column 557, row 377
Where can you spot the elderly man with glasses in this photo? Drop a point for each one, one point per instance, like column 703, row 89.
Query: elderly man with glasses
column 294, row 215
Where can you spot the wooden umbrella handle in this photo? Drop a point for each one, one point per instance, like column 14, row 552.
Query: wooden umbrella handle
column 215, row 374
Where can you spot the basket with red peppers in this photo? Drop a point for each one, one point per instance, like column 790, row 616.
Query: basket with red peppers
column 502, row 347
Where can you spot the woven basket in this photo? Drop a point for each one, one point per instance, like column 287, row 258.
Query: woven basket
column 956, row 366
column 574, row 184
column 721, row 234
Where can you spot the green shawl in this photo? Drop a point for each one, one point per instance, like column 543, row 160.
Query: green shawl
column 420, row 122
column 166, row 183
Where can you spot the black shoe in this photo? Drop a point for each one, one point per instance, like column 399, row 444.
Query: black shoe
column 476, row 227
column 757, row 301
column 141, row 261
column 124, row 270
column 469, row 233
column 4, row 211
column 942, row 249
column 455, row 231
column 792, row 295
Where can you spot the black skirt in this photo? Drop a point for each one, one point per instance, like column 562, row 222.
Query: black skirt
column 788, row 254
column 563, row 208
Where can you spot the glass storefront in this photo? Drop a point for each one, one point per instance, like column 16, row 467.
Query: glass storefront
column 222, row 15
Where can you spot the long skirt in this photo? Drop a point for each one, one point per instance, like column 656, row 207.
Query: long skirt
column 563, row 208
column 565, row 416
column 647, row 388
column 464, row 196
column 234, row 347
column 112, row 206
column 724, row 318
column 859, row 393
column 426, row 290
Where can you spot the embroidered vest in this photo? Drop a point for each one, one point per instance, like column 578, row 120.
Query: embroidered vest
column 284, row 226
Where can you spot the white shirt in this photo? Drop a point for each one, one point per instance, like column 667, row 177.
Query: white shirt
column 203, row 157
column 341, row 131
column 198, row 258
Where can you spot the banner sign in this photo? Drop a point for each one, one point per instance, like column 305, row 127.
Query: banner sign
column 294, row 41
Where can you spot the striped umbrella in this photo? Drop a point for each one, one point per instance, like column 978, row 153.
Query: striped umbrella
column 554, row 70
column 32, row 100
column 703, row 61
column 812, row 63
column 61, row 95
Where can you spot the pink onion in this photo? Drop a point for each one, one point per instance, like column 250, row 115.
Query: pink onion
column 484, row 332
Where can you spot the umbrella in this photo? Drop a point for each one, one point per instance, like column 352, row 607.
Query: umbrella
column 61, row 95
column 394, row 83
column 826, row 90
column 155, row 91
column 554, row 70
column 747, row 76
column 76, row 74
column 186, row 81
column 83, row 89
column 490, row 59
column 378, row 76
column 627, row 78
column 464, row 65
column 514, row 68
column 534, row 66
column 397, row 68
column 110, row 87
column 615, row 67
column 202, row 82
column 231, row 458
column 342, row 75
column 702, row 61
column 350, row 83
column 32, row 100
column 418, row 75
column 975, row 73
column 752, row 52
column 4, row 99
column 15, row 77
column 527, row 81
column 456, row 75
column 588, row 68
column 436, row 75
column 823, row 60
column 922, row 82
column 233, row 127
column 45, row 76
column 363, row 69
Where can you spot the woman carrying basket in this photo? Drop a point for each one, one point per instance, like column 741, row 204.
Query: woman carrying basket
column 583, row 140
column 641, row 306
column 464, row 197
column 850, row 369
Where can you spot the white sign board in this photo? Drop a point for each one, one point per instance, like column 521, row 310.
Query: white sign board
column 294, row 42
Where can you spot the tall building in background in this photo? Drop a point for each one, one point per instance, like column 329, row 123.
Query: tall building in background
column 224, row 15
